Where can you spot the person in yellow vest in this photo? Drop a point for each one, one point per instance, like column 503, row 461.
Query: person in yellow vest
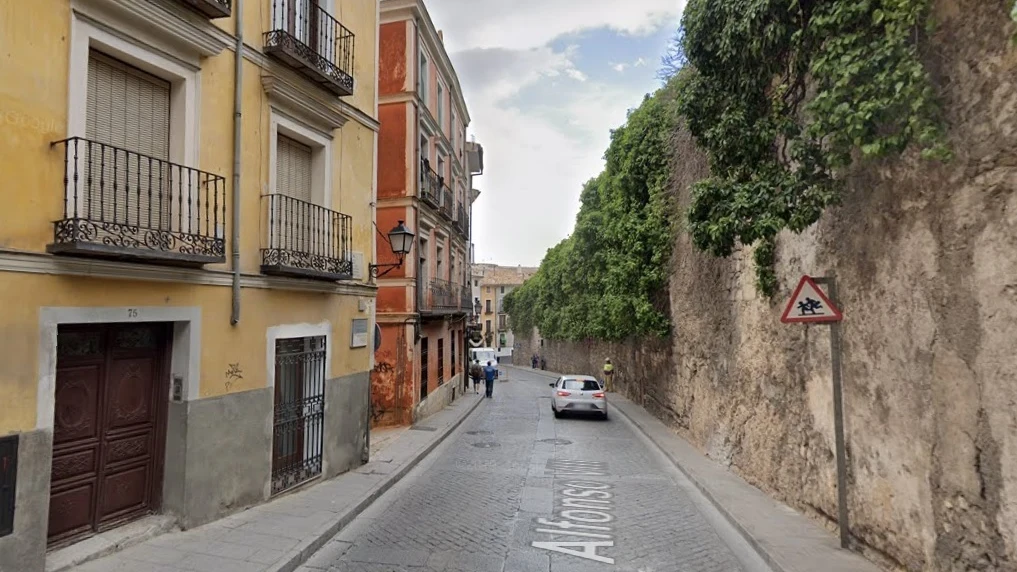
column 608, row 374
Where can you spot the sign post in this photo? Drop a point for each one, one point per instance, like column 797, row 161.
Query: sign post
column 809, row 304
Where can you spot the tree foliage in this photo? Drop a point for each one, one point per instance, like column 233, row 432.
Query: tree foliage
column 784, row 96
column 607, row 280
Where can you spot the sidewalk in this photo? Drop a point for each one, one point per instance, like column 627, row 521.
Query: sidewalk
column 280, row 535
column 786, row 539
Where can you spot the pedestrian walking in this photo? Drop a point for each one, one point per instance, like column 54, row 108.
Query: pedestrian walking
column 608, row 374
column 476, row 372
column 489, row 373
column 535, row 360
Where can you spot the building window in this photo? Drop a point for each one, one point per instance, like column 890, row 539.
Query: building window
column 488, row 326
column 441, row 108
column 423, row 78
column 130, row 110
column 488, row 306
column 441, row 165
column 299, row 411
column 502, row 289
column 441, row 361
column 503, row 322
column 439, row 263
column 424, row 251
column 423, row 369
column 454, row 367
column 293, row 169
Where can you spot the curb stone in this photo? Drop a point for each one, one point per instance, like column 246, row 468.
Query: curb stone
column 303, row 551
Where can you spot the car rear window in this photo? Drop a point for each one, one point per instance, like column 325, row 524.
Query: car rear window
column 581, row 385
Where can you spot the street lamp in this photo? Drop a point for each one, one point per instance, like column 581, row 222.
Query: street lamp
column 400, row 239
column 477, row 306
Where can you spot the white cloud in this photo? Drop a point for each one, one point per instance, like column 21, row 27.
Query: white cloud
column 619, row 67
column 538, row 151
column 523, row 24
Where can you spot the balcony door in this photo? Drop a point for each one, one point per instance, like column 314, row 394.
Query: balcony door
column 128, row 120
column 297, row 221
column 301, row 19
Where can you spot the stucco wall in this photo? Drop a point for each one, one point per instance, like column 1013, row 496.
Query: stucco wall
column 926, row 262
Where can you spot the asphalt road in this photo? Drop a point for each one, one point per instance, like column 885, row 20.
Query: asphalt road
column 516, row 490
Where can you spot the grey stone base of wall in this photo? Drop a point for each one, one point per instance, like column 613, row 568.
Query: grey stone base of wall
column 347, row 422
column 218, row 461
column 439, row 398
column 218, row 456
column 25, row 549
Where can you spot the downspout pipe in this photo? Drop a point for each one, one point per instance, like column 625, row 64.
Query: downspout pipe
column 237, row 117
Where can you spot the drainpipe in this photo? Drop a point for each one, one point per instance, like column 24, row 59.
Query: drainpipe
column 237, row 116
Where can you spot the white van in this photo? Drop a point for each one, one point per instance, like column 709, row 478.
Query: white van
column 484, row 355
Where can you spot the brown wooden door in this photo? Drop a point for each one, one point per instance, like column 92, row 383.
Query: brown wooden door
column 109, row 427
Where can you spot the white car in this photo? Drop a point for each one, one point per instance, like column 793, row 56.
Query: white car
column 578, row 394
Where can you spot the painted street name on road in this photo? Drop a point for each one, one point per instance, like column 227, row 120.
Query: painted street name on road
column 584, row 511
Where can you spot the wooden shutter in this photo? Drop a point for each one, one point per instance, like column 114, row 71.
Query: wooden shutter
column 293, row 169
column 130, row 110
column 297, row 221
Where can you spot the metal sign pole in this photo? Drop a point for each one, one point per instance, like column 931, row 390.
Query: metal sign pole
column 838, row 416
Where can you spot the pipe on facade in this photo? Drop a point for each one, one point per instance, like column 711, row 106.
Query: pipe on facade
column 237, row 116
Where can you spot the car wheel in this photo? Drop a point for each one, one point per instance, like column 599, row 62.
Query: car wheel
column 605, row 416
column 557, row 414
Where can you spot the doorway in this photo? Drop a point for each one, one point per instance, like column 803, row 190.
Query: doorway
column 109, row 433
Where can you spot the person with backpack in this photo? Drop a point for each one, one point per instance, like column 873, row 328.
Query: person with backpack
column 476, row 372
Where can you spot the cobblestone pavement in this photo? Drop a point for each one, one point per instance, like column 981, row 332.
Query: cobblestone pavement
column 516, row 490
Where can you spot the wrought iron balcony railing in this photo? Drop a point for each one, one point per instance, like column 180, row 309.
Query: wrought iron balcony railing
column 306, row 37
column 447, row 209
column 211, row 8
column 430, row 185
column 306, row 240
column 123, row 204
column 444, row 297
column 462, row 222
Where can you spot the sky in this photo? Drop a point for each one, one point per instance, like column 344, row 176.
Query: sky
column 544, row 84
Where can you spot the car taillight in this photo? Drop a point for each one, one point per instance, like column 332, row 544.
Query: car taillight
column 598, row 396
column 564, row 394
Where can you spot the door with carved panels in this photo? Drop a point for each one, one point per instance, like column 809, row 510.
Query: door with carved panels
column 109, row 427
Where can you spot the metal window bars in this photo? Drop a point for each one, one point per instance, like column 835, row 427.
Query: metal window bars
column 305, row 239
column 127, row 204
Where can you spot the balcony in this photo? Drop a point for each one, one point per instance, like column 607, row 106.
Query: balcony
column 430, row 185
column 446, row 207
column 441, row 297
column 462, row 222
column 126, row 205
column 304, row 240
column 210, row 8
column 307, row 38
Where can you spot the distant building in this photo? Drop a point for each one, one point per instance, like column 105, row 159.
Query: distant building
column 492, row 284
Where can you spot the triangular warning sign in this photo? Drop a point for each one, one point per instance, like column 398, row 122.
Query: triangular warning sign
column 810, row 304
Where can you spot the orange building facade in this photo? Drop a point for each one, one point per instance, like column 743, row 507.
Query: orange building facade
column 425, row 171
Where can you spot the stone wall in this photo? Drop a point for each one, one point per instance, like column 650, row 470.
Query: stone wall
column 926, row 262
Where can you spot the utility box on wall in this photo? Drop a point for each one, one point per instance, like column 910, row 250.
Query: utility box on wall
column 8, row 478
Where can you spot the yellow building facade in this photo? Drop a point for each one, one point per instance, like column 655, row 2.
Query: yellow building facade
column 174, row 343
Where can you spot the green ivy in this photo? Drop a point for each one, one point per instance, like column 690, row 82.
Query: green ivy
column 784, row 96
column 608, row 279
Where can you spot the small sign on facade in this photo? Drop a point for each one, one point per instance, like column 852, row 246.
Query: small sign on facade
column 809, row 304
column 359, row 336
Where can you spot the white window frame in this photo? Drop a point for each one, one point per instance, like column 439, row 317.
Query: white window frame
column 183, row 72
column 321, row 151
column 284, row 331
column 424, row 79
column 441, row 107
